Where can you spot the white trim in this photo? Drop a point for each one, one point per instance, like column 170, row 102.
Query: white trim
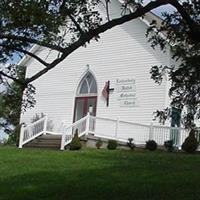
column 75, row 93
column 167, row 81
column 76, row 88
column 26, row 58
column 88, row 71
column 145, row 17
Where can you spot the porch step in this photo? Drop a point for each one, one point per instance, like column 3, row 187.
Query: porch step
column 45, row 141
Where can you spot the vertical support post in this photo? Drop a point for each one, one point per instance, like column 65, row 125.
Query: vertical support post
column 63, row 141
column 179, row 132
column 117, row 128
column 87, row 128
column 151, row 135
column 21, row 137
column 45, row 125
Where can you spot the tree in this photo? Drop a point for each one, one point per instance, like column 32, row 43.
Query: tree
column 10, row 106
column 48, row 24
column 185, row 75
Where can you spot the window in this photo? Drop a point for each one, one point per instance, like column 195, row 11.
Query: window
column 87, row 85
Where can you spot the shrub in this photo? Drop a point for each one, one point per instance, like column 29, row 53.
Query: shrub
column 75, row 143
column 112, row 144
column 99, row 143
column 169, row 145
column 37, row 117
column 131, row 143
column 13, row 138
column 190, row 144
column 151, row 145
column 3, row 141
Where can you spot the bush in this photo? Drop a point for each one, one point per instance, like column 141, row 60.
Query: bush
column 112, row 144
column 169, row 145
column 13, row 138
column 131, row 143
column 99, row 143
column 190, row 144
column 75, row 143
column 151, row 145
column 37, row 117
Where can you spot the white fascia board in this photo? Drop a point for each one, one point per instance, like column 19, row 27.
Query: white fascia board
column 151, row 17
column 26, row 58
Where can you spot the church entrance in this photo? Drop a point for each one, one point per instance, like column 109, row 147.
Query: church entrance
column 83, row 105
column 86, row 97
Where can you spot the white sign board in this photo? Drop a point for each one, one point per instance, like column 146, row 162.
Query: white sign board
column 126, row 92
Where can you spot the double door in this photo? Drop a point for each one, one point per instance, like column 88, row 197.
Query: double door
column 83, row 105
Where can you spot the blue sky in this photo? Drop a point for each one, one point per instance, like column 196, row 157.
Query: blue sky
column 161, row 9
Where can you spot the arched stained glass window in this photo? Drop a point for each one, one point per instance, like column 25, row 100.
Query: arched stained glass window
column 87, row 85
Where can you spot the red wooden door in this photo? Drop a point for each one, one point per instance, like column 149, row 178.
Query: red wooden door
column 83, row 105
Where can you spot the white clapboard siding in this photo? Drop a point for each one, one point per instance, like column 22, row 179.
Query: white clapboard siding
column 122, row 52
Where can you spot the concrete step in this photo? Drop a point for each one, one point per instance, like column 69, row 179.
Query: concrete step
column 51, row 137
column 42, row 146
column 39, row 140
column 45, row 141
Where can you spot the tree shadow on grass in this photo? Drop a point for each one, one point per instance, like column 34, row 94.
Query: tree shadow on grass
column 107, row 183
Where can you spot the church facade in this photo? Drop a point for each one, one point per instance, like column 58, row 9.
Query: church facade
column 109, row 78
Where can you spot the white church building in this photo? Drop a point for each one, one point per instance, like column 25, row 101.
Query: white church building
column 121, row 61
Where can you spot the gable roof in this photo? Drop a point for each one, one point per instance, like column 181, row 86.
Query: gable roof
column 147, row 19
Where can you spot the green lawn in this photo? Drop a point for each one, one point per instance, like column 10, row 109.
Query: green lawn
column 27, row 174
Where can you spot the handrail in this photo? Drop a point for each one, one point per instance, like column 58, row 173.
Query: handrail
column 103, row 118
column 154, row 132
column 63, row 140
column 116, row 129
column 36, row 122
column 33, row 137
column 134, row 123
column 31, row 131
column 77, row 122
column 115, row 120
column 168, row 127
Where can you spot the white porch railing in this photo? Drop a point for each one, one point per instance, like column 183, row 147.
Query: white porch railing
column 81, row 125
column 41, row 127
column 106, row 128
column 32, row 131
column 121, row 130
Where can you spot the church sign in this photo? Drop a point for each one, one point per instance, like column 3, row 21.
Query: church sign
column 126, row 92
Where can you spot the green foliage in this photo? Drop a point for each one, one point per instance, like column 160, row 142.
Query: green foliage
column 36, row 117
column 184, row 42
column 75, row 143
column 190, row 144
column 112, row 144
column 151, row 145
column 131, row 143
column 169, row 145
column 10, row 107
column 41, row 21
column 99, row 143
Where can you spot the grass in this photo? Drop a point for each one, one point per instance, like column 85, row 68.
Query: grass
column 27, row 174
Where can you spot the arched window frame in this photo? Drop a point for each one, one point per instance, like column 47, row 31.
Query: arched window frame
column 89, row 85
